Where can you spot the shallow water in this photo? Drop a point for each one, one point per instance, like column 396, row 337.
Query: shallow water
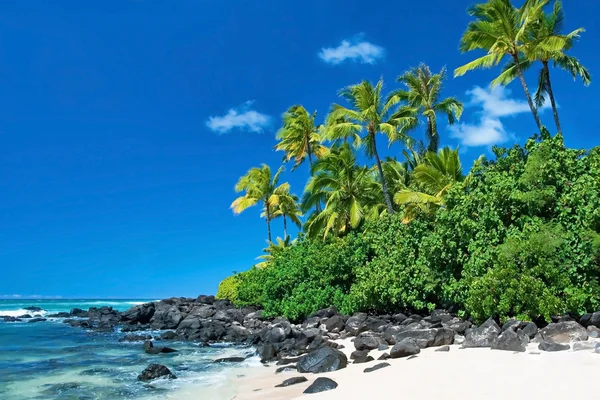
column 52, row 360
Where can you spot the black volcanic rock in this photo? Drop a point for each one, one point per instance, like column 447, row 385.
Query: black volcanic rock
column 154, row 371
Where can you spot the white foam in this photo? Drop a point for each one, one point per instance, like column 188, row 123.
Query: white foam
column 21, row 311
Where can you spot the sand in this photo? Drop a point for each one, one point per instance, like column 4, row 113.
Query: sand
column 457, row 374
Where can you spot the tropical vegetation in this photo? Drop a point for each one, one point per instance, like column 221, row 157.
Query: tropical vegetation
column 516, row 236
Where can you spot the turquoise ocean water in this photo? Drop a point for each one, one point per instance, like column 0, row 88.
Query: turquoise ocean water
column 52, row 360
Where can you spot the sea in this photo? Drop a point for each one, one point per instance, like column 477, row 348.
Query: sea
column 52, row 360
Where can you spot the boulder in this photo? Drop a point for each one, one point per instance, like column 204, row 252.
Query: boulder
column 509, row 340
column 166, row 316
column 267, row 352
column 457, row 325
column 513, row 324
column 37, row 320
column 104, row 318
column 292, row 381
column 356, row 323
column 150, row 349
column 390, row 334
column 325, row 359
column 59, row 315
column 140, row 314
column 443, row 348
column 358, row 354
column 168, row 335
column 321, row 385
column 78, row 312
column 155, row 371
column 203, row 299
column 551, row 346
column 428, row 337
column 384, row 356
column 335, row 322
column 325, row 313
column 404, row 348
column 530, row 329
column 563, row 332
column 312, row 323
column 24, row 316
column 367, row 341
column 399, row 318
column 593, row 332
column 362, row 360
column 482, row 336
column 34, row 309
column 376, row 367
column 582, row 346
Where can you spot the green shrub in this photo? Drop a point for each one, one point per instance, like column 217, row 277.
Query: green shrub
column 518, row 238
column 228, row 288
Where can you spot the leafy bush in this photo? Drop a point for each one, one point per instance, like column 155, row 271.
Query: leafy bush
column 228, row 288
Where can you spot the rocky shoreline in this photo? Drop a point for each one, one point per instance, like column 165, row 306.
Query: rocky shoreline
column 310, row 346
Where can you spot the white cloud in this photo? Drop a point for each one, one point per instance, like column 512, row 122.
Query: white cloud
column 354, row 49
column 488, row 130
column 243, row 118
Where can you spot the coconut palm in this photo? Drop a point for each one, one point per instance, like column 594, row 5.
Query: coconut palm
column 500, row 29
column 397, row 176
column 369, row 114
column 260, row 186
column 349, row 192
column 545, row 43
column 299, row 136
column 422, row 93
column 287, row 208
column 273, row 249
column 433, row 178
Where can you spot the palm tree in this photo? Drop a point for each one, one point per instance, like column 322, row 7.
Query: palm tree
column 299, row 137
column 349, row 192
column 287, row 207
column 432, row 179
column 371, row 114
column 500, row 29
column 422, row 93
column 546, row 43
column 260, row 186
column 273, row 249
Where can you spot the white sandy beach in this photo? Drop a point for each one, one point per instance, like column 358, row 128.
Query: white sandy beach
column 457, row 374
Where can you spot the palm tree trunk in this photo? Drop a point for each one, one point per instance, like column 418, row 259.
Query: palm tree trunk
column 386, row 195
column 551, row 94
column 527, row 94
column 284, row 227
column 434, row 140
column 268, row 218
column 310, row 162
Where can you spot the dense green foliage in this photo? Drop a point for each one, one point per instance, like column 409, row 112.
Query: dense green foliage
column 228, row 288
column 520, row 237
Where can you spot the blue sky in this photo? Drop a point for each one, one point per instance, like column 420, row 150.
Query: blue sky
column 124, row 125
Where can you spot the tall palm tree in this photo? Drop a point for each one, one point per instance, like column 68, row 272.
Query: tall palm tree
column 299, row 136
column 260, row 186
column 287, row 208
column 431, row 181
column 545, row 43
column 422, row 93
column 349, row 192
column 500, row 29
column 371, row 114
